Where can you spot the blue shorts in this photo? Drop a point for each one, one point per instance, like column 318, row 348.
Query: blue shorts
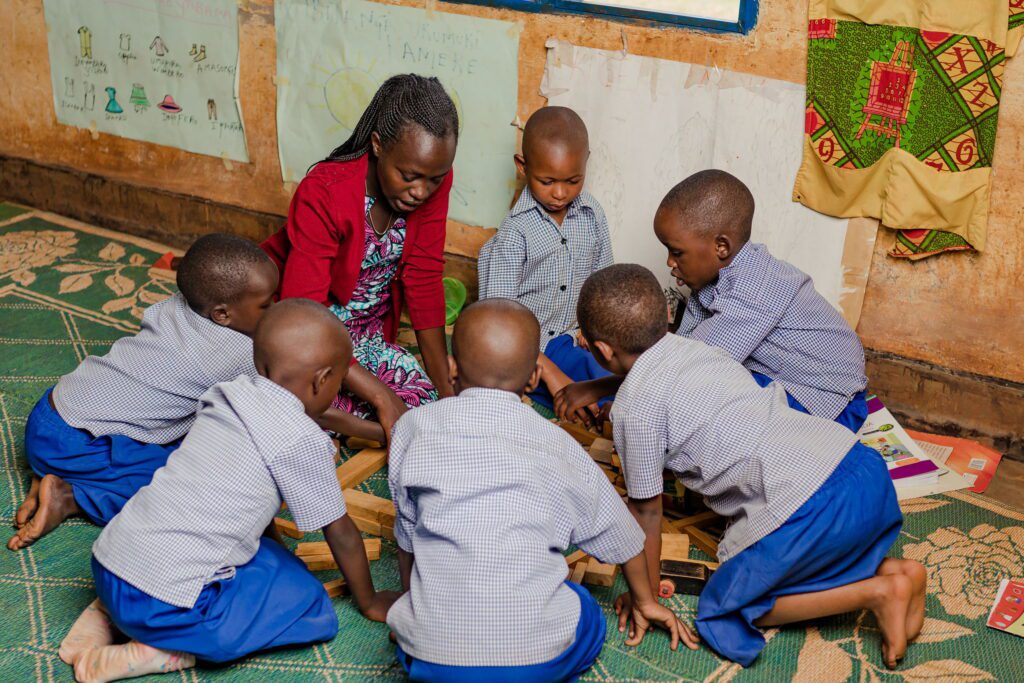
column 852, row 417
column 103, row 471
column 271, row 601
column 567, row 666
column 838, row 537
column 576, row 362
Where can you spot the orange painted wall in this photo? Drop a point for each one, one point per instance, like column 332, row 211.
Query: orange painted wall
column 960, row 311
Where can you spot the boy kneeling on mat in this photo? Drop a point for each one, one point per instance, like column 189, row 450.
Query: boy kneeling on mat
column 183, row 571
column 813, row 511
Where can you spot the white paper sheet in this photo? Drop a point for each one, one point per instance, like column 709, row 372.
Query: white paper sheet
column 653, row 122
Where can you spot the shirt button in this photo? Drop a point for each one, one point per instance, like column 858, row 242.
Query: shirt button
column 564, row 240
column 562, row 288
column 551, row 333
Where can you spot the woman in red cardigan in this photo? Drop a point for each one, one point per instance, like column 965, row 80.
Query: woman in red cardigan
column 365, row 236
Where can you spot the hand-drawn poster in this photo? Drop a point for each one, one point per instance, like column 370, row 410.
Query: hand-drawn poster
column 654, row 122
column 152, row 70
column 332, row 55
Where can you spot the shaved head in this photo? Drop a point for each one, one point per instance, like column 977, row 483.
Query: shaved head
column 551, row 128
column 495, row 345
column 298, row 339
column 711, row 203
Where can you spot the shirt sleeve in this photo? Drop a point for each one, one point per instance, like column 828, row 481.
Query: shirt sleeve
column 305, row 475
column 604, row 257
column 506, row 256
column 424, row 265
column 313, row 237
column 405, row 506
column 736, row 326
column 606, row 529
column 642, row 449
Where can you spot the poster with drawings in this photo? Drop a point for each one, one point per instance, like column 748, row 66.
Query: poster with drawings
column 151, row 70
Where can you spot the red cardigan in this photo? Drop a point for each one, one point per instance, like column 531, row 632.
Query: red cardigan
column 320, row 250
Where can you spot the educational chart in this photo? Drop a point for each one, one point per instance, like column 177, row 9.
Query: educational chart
column 152, row 70
column 654, row 122
column 332, row 55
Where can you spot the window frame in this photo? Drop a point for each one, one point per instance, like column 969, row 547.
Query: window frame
column 746, row 21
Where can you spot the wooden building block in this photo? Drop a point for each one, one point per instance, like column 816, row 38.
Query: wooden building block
column 287, row 527
column 367, row 526
column 319, row 563
column 611, row 474
column 356, row 443
column 702, row 540
column 606, row 429
column 602, row 450
column 675, row 547
column 319, row 548
column 616, row 461
column 698, row 521
column 575, row 557
column 600, row 574
column 360, row 466
column 579, row 432
column 578, row 572
column 336, row 588
column 369, row 506
column 668, row 528
column 372, row 547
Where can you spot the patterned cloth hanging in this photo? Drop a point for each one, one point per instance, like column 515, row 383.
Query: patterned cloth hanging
column 902, row 109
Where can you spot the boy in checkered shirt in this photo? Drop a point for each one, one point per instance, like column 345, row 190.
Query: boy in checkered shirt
column 488, row 495
column 552, row 239
column 763, row 312
column 185, row 570
column 812, row 511
column 98, row 436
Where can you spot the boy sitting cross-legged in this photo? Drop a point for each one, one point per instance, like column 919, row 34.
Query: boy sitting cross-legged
column 488, row 494
column 185, row 570
column 812, row 511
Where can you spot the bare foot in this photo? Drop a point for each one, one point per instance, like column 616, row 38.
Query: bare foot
column 889, row 605
column 29, row 505
column 133, row 659
column 92, row 629
column 918, row 576
column 56, row 503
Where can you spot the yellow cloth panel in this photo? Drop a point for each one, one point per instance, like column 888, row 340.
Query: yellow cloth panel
column 900, row 191
column 979, row 18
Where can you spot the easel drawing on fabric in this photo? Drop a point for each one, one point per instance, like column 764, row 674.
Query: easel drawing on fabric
column 892, row 85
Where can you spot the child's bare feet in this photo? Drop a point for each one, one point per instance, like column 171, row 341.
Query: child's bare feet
column 56, row 503
column 890, row 602
column 918, row 576
column 115, row 662
column 29, row 505
column 92, row 629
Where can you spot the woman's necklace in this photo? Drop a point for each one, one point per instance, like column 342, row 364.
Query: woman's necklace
column 369, row 216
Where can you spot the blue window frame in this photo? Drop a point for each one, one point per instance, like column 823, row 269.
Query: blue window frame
column 620, row 11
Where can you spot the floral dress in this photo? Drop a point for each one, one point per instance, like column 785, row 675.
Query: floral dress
column 364, row 315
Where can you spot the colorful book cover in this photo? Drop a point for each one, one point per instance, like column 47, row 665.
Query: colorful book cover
column 1007, row 612
column 902, row 455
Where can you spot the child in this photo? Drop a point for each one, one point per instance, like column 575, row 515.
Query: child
column 365, row 237
column 488, row 494
column 183, row 571
column 813, row 512
column 763, row 312
column 552, row 239
column 98, row 435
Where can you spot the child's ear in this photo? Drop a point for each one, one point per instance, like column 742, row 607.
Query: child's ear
column 220, row 315
column 320, row 378
column 534, row 380
column 723, row 247
column 453, row 371
column 520, row 164
column 375, row 143
column 603, row 350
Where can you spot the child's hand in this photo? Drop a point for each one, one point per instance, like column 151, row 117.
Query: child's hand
column 389, row 409
column 576, row 402
column 654, row 613
column 379, row 605
column 581, row 341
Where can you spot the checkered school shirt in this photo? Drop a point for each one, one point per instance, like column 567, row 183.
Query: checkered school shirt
column 690, row 408
column 252, row 445
column 766, row 314
column 488, row 495
column 543, row 266
column 148, row 386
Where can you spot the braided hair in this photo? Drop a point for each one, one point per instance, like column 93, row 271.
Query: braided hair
column 401, row 101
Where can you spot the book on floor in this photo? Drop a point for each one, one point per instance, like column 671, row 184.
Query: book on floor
column 1007, row 612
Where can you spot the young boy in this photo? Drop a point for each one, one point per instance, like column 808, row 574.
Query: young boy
column 813, row 512
column 763, row 312
column 98, row 436
column 552, row 239
column 488, row 494
column 183, row 570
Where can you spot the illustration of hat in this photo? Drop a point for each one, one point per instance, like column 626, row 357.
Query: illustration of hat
column 169, row 105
